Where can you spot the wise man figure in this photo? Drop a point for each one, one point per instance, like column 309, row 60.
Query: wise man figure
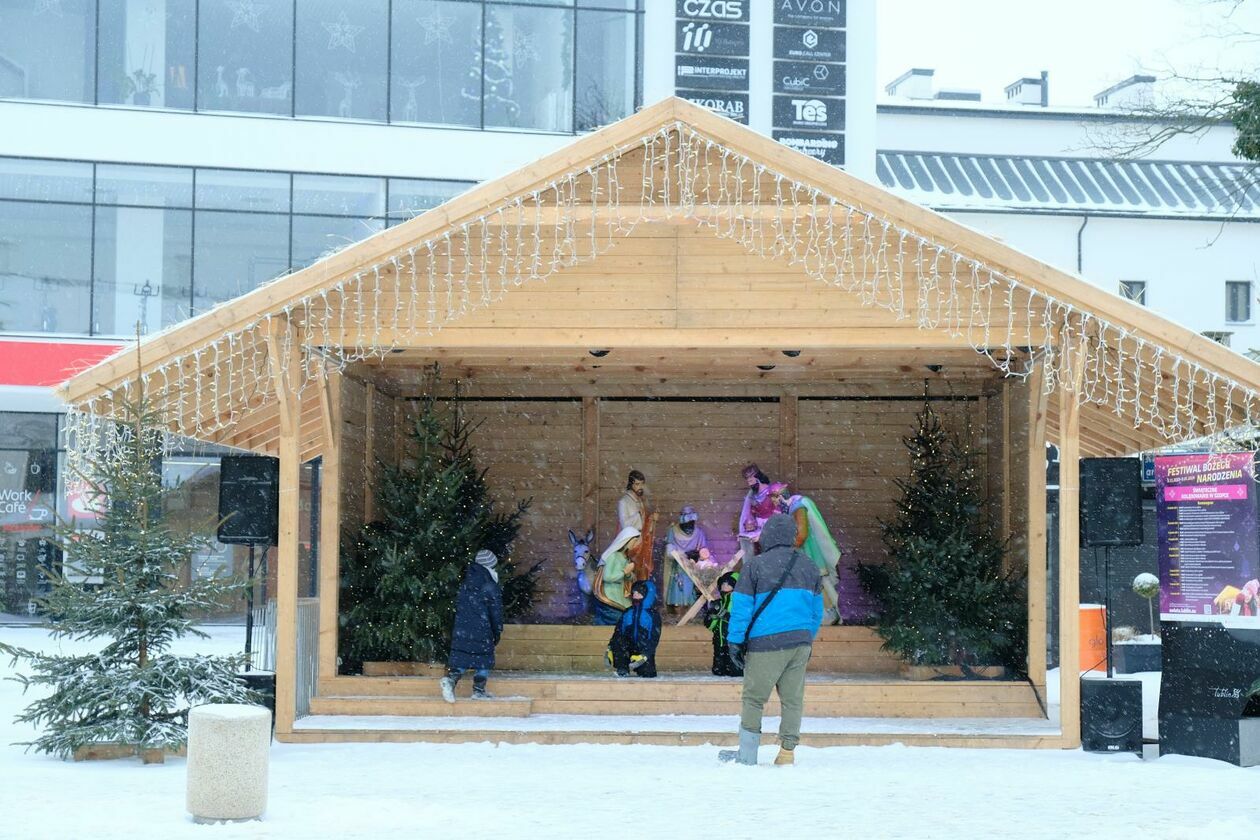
column 632, row 512
column 815, row 539
column 756, row 510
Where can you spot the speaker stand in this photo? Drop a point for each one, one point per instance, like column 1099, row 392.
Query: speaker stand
column 249, row 611
column 1107, row 609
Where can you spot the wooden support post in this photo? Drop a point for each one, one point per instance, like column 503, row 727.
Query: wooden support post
column 369, row 456
column 1036, row 518
column 1069, row 551
column 590, row 462
column 788, row 465
column 284, row 354
column 329, row 523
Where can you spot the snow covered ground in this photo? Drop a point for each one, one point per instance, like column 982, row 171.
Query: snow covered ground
column 482, row 790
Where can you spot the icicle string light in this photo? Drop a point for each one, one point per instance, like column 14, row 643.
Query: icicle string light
column 429, row 283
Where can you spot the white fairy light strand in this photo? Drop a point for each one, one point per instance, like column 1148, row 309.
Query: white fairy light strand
column 682, row 173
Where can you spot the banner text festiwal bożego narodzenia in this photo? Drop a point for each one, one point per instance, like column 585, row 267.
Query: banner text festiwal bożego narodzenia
column 1209, row 552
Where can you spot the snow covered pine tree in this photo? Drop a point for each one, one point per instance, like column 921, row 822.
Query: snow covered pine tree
column 131, row 692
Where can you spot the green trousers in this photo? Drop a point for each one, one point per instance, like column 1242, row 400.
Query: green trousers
column 765, row 671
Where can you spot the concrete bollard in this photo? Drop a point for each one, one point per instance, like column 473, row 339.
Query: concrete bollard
column 228, row 747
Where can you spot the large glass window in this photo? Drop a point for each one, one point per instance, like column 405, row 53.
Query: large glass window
column 436, row 62
column 477, row 63
column 410, row 197
column 235, row 253
column 143, row 273
column 605, row 68
column 245, row 56
column 45, row 267
column 316, row 237
column 98, row 248
column 526, row 71
column 146, row 53
column 47, row 49
column 341, row 58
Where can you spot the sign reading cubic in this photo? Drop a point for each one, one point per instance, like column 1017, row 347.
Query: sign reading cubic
column 711, row 55
column 1209, row 544
column 809, row 77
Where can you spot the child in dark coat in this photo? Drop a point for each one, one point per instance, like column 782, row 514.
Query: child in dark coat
column 478, row 626
column 717, row 616
column 633, row 644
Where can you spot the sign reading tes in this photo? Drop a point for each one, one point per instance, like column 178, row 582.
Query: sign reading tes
column 809, row 12
column 809, row 77
column 808, row 112
column 814, row 44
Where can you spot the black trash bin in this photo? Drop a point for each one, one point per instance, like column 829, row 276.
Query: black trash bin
column 264, row 684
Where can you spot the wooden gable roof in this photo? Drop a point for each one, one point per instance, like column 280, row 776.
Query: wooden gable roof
column 618, row 220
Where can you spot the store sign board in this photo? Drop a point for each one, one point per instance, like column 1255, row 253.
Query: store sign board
column 693, row 37
column 827, row 147
column 711, row 73
column 810, row 77
column 810, row 44
column 809, row 12
column 730, row 11
column 731, row 105
column 808, row 112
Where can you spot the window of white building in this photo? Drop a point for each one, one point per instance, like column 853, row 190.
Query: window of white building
column 1134, row 290
column 1237, row 301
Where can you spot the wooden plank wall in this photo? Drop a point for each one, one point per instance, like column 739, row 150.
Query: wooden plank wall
column 851, row 454
column 354, row 479
column 533, row 449
column 692, row 452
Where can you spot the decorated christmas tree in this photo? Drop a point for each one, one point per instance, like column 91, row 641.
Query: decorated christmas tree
column 945, row 597
column 398, row 593
column 119, row 588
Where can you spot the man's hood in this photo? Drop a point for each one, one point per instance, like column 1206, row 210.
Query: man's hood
column 779, row 530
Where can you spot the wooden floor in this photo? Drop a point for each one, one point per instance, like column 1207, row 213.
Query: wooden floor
column 557, row 674
column 580, row 649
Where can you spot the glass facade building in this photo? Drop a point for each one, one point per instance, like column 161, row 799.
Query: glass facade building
column 541, row 65
column 93, row 248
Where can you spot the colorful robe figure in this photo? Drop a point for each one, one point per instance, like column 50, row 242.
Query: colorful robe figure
column 685, row 537
column 758, row 507
column 814, row 538
column 612, row 583
column 632, row 512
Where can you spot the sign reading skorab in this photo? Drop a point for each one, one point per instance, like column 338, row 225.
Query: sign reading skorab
column 1209, row 544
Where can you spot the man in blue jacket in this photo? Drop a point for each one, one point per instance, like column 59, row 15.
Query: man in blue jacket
column 776, row 610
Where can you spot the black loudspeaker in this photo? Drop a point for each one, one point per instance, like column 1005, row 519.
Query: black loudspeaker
column 1111, row 501
column 249, row 499
column 1111, row 715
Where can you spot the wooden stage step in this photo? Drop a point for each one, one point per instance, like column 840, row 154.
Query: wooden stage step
column 874, row 696
column 580, row 649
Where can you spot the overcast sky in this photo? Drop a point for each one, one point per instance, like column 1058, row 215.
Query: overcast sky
column 1087, row 45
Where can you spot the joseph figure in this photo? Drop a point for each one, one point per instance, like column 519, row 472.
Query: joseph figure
column 632, row 512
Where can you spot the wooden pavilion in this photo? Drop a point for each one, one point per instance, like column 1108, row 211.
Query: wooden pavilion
column 678, row 294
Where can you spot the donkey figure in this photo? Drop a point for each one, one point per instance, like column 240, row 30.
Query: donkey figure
column 584, row 565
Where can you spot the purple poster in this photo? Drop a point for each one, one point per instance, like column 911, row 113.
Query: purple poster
column 1209, row 557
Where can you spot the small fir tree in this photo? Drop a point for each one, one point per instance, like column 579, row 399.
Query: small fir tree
column 436, row 512
column 132, row 691
column 945, row 598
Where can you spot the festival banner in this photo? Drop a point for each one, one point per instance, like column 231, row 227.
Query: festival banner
column 1209, row 545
